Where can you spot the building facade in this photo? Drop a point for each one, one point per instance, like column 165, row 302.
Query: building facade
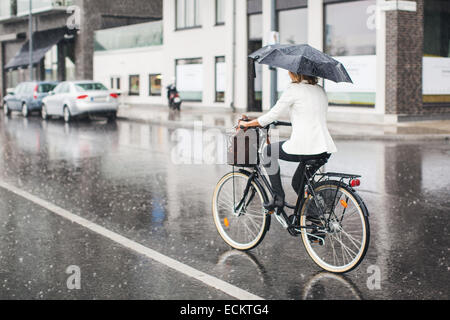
column 397, row 53
column 62, row 34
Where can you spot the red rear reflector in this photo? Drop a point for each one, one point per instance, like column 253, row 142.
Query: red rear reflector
column 114, row 95
column 84, row 96
column 355, row 183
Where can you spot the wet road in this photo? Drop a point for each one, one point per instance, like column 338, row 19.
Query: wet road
column 144, row 183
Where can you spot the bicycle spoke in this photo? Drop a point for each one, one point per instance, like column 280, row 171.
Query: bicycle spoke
column 344, row 232
column 352, row 239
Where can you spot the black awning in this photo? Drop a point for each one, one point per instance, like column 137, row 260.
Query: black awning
column 42, row 42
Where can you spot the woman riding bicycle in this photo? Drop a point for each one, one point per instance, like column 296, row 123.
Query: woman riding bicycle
column 307, row 105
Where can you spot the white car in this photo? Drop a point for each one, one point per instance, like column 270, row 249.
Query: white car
column 80, row 98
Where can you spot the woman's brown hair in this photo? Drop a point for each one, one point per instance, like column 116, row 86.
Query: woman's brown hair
column 297, row 78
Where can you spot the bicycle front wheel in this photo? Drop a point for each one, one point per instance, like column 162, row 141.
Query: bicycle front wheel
column 242, row 227
column 338, row 240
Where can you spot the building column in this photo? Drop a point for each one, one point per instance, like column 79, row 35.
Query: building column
column 404, row 54
column 84, row 41
column 315, row 24
column 2, row 71
column 380, row 93
column 61, row 70
column 266, row 72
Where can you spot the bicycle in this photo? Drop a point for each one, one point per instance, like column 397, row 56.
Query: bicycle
column 329, row 215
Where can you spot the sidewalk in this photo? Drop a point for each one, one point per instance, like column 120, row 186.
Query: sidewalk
column 221, row 118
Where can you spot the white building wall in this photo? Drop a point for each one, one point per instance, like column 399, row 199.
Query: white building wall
column 206, row 42
column 229, row 40
column 123, row 63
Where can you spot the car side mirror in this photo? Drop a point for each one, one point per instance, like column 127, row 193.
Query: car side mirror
column 51, row 93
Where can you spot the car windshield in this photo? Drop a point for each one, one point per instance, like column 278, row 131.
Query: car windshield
column 46, row 87
column 90, row 86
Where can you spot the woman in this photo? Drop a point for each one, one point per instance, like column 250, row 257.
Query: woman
column 307, row 104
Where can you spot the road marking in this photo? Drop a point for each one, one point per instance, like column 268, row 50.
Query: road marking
column 207, row 279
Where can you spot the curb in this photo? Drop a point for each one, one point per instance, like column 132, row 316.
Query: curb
column 387, row 137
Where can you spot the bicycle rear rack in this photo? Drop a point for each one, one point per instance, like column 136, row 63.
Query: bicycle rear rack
column 338, row 175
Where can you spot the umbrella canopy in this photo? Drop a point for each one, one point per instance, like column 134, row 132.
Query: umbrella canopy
column 302, row 59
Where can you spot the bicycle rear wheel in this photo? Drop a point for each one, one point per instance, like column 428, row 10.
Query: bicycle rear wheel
column 342, row 238
column 242, row 228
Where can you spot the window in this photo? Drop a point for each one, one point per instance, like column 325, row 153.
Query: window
column 115, row 83
column 95, row 86
column 293, row 26
column 18, row 89
column 63, row 88
column 220, row 79
column 133, row 36
column 436, row 60
column 46, row 87
column 187, row 14
column 350, row 28
column 220, row 12
column 350, row 37
column 293, row 29
column 154, row 85
column 189, row 79
column 255, row 27
column 134, row 86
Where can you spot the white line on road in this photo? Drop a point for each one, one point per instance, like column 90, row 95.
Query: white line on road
column 207, row 279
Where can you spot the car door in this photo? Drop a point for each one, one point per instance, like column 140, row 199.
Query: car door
column 27, row 94
column 13, row 103
column 62, row 96
column 51, row 102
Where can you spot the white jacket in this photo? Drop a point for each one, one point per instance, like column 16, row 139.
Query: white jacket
column 307, row 106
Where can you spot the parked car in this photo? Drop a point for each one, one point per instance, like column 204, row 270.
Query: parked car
column 27, row 97
column 80, row 98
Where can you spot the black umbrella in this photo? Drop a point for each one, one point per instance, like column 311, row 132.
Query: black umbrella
column 302, row 59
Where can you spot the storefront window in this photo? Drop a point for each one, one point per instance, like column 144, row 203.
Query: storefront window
column 350, row 37
column 134, row 87
column 436, row 60
column 220, row 79
column 187, row 13
column 189, row 79
column 155, row 85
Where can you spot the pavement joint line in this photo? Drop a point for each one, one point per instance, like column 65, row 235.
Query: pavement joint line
column 176, row 265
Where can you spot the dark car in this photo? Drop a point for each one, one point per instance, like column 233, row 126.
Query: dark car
column 27, row 97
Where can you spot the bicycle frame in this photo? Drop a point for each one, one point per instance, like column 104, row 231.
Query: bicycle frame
column 257, row 175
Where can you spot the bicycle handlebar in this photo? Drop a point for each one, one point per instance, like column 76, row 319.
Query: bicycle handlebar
column 275, row 123
column 282, row 123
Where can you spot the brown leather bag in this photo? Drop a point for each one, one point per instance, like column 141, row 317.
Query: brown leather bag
column 242, row 148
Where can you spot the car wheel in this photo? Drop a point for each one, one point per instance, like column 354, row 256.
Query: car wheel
column 6, row 110
column 67, row 115
column 25, row 111
column 44, row 113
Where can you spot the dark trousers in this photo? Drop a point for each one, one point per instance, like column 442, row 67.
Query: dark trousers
column 272, row 153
